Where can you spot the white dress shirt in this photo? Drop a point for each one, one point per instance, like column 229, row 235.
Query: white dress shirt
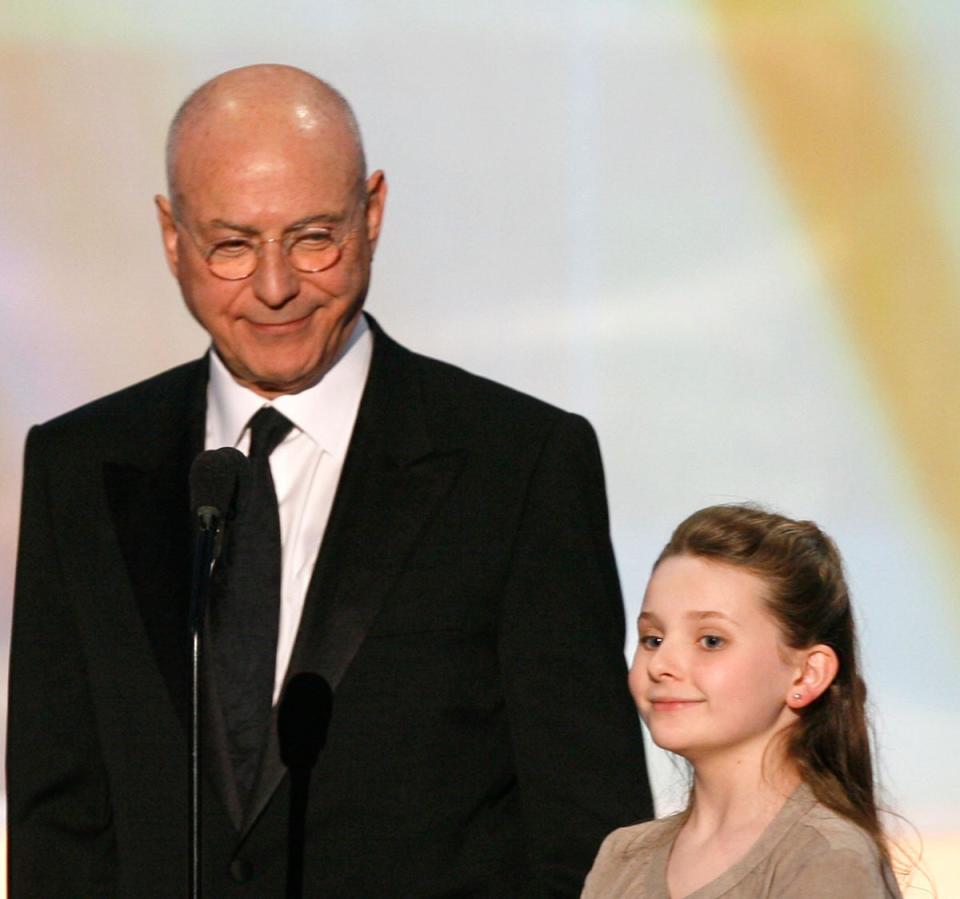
column 306, row 466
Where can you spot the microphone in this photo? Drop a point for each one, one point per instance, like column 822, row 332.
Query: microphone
column 215, row 477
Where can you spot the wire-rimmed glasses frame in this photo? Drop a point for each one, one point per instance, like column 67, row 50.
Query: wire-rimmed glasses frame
column 310, row 250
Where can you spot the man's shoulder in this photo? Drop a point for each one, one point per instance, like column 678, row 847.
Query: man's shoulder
column 453, row 390
column 135, row 407
column 460, row 385
column 458, row 408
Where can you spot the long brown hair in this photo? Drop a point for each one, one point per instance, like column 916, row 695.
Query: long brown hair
column 809, row 598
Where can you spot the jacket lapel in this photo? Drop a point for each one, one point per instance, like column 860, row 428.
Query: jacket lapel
column 392, row 479
column 148, row 492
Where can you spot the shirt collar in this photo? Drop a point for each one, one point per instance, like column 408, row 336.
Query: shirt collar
column 325, row 412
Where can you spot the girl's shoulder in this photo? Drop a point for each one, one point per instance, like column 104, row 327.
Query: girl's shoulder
column 819, row 828
column 825, row 850
column 839, row 832
column 627, row 841
column 627, row 857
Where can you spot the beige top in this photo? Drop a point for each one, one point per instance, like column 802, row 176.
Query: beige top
column 806, row 852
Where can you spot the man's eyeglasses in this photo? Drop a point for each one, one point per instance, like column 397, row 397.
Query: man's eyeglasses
column 236, row 258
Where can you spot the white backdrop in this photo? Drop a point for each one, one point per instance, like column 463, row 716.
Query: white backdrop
column 583, row 206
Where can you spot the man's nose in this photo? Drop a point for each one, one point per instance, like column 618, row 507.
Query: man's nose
column 276, row 281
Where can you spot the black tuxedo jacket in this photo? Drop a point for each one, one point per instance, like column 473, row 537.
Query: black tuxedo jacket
column 465, row 607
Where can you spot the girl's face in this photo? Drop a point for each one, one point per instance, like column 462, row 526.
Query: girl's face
column 711, row 675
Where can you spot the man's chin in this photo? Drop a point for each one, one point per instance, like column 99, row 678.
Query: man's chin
column 270, row 383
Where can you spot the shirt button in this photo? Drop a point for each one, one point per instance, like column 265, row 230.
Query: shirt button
column 241, row 870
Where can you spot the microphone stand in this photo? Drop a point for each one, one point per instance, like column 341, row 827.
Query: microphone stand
column 215, row 478
column 208, row 548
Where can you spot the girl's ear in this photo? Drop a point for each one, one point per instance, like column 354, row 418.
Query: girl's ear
column 818, row 666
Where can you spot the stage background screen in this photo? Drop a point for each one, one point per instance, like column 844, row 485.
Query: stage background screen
column 726, row 232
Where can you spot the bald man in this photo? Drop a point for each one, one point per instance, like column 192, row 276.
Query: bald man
column 443, row 561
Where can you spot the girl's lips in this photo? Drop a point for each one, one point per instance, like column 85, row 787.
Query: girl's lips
column 673, row 705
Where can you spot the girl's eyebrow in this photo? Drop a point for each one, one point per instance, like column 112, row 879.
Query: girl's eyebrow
column 710, row 613
column 697, row 614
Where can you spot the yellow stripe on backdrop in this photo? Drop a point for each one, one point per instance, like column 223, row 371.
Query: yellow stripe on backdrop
column 823, row 87
column 824, row 90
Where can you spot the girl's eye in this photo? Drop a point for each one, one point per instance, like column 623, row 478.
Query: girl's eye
column 711, row 641
column 650, row 641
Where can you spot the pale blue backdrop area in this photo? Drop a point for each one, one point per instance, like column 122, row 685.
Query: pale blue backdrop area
column 580, row 207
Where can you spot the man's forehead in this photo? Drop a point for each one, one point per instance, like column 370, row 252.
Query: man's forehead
column 260, row 198
column 265, row 113
column 263, row 128
column 267, row 100
column 293, row 128
column 268, row 144
column 256, row 158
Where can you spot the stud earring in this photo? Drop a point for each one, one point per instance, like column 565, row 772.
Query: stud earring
column 796, row 695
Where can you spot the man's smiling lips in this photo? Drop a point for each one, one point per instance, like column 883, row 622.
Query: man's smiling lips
column 280, row 328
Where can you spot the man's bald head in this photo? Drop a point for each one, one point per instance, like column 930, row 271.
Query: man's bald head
column 267, row 103
column 266, row 168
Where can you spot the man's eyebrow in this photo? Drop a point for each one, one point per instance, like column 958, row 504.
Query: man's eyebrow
column 232, row 226
column 330, row 218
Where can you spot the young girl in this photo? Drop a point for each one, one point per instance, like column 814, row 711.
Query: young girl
column 747, row 667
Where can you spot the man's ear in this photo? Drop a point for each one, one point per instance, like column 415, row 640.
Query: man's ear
column 376, row 201
column 817, row 668
column 168, row 230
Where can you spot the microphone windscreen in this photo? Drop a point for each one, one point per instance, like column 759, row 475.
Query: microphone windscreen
column 214, row 477
column 303, row 719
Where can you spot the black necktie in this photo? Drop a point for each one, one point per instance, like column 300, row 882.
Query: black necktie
column 245, row 609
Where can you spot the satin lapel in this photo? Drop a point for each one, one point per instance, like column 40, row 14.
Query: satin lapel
column 149, row 501
column 148, row 496
column 393, row 478
column 215, row 747
column 151, row 514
